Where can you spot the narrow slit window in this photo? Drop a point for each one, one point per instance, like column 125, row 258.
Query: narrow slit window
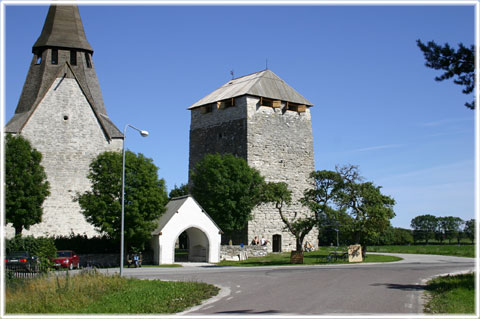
column 73, row 57
column 38, row 59
column 54, row 56
column 87, row 60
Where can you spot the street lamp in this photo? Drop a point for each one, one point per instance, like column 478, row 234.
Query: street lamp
column 122, row 248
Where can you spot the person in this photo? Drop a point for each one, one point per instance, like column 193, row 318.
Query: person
column 254, row 241
column 308, row 246
column 264, row 242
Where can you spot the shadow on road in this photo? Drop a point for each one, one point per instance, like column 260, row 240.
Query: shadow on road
column 248, row 311
column 408, row 287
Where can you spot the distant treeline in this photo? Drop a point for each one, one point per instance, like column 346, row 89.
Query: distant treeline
column 426, row 229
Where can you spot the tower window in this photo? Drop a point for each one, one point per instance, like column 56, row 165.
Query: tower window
column 87, row 60
column 73, row 57
column 270, row 102
column 226, row 103
column 300, row 108
column 38, row 59
column 54, row 56
column 206, row 109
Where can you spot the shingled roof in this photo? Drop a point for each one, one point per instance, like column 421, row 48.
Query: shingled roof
column 264, row 84
column 63, row 28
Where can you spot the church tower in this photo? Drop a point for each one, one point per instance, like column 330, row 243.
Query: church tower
column 61, row 112
column 262, row 119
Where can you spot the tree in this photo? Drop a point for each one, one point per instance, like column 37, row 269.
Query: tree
column 369, row 209
column 449, row 227
column 424, row 227
column 145, row 197
column 178, row 191
column 459, row 64
column 26, row 185
column 281, row 196
column 228, row 189
column 322, row 198
column 469, row 229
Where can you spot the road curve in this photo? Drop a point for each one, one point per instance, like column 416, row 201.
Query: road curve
column 350, row 289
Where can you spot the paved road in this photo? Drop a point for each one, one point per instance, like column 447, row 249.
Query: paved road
column 361, row 289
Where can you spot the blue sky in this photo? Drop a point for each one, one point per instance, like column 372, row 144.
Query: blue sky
column 375, row 103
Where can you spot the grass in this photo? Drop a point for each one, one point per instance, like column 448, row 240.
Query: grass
column 310, row 258
column 451, row 295
column 97, row 293
column 445, row 250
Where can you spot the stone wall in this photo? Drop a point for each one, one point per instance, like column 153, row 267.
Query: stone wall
column 67, row 133
column 236, row 252
column 280, row 146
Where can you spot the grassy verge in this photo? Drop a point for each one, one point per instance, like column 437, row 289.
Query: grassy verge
column 445, row 250
column 96, row 293
column 310, row 258
column 451, row 294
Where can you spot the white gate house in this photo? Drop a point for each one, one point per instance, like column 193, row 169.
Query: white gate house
column 184, row 214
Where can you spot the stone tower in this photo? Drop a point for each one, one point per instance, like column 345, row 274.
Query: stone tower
column 61, row 112
column 262, row 119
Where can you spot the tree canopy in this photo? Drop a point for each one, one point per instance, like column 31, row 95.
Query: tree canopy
column 227, row 188
column 370, row 211
column 26, row 185
column 424, row 227
column 458, row 64
column 145, row 197
column 178, row 191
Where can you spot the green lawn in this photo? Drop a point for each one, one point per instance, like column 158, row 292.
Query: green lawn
column 446, row 250
column 95, row 293
column 310, row 258
column 451, row 295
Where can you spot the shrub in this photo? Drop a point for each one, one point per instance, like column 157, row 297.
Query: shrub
column 42, row 247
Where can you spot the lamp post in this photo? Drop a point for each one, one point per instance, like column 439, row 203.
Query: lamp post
column 122, row 248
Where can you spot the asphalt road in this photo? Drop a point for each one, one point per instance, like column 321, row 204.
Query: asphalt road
column 350, row 289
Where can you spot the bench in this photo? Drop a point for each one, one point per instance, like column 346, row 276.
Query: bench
column 336, row 255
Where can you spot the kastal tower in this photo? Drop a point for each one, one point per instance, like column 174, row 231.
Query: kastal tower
column 61, row 112
column 265, row 121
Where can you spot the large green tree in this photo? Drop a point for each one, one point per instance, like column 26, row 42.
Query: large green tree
column 178, row 191
column 458, row 64
column 26, row 185
column 281, row 196
column 145, row 197
column 424, row 227
column 369, row 209
column 322, row 200
column 228, row 189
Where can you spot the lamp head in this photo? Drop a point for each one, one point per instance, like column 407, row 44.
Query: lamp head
column 144, row 133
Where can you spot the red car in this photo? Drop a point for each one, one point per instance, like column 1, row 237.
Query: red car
column 66, row 259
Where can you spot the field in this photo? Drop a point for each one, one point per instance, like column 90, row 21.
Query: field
column 95, row 293
column 445, row 250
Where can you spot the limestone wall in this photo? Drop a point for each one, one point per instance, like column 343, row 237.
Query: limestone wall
column 280, row 146
column 65, row 130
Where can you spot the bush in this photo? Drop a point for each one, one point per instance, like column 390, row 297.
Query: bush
column 81, row 244
column 42, row 247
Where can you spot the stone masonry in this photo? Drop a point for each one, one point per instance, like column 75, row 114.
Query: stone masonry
column 275, row 141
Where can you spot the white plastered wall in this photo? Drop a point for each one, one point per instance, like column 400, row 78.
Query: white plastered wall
column 200, row 229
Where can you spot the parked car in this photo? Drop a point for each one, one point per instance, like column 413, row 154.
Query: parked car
column 66, row 259
column 21, row 261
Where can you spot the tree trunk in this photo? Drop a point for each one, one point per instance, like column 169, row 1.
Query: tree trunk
column 18, row 230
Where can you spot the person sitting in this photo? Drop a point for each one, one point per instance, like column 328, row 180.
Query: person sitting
column 254, row 241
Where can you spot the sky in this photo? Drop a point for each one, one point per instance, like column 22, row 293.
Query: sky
column 375, row 103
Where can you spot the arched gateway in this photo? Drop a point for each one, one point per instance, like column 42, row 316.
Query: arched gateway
column 185, row 215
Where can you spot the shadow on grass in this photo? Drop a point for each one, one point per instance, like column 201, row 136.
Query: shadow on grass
column 446, row 283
